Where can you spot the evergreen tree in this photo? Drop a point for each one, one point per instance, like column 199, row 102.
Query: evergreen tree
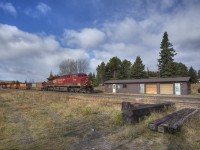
column 51, row 75
column 166, row 62
column 181, row 70
column 101, row 73
column 199, row 74
column 113, row 67
column 152, row 74
column 193, row 75
column 137, row 69
column 124, row 72
column 93, row 79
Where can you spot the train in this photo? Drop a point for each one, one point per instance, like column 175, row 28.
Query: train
column 79, row 82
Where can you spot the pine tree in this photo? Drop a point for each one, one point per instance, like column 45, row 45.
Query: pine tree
column 199, row 74
column 51, row 75
column 113, row 67
column 193, row 75
column 181, row 70
column 137, row 69
column 93, row 78
column 101, row 73
column 124, row 72
column 166, row 62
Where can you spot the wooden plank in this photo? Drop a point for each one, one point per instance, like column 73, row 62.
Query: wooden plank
column 175, row 126
column 154, row 125
column 172, row 125
column 135, row 114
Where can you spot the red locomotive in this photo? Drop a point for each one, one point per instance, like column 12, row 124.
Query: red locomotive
column 79, row 82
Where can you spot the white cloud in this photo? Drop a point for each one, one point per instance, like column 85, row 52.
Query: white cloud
column 31, row 56
column 43, row 8
column 16, row 43
column 40, row 10
column 8, row 7
column 86, row 38
column 127, row 38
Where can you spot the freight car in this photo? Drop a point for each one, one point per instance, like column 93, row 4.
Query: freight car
column 79, row 82
column 22, row 86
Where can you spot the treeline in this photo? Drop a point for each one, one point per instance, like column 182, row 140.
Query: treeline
column 124, row 69
column 117, row 69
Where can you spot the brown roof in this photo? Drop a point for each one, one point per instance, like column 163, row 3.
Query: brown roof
column 153, row 80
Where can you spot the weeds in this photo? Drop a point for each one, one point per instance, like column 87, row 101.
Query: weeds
column 47, row 120
column 117, row 118
column 86, row 110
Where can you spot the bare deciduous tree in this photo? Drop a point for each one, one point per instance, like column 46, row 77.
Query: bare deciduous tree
column 71, row 66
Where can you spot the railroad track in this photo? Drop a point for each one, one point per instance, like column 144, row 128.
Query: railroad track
column 183, row 99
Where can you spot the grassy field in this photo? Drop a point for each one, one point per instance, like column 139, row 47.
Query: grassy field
column 55, row 120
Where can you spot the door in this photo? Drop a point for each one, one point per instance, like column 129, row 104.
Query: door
column 114, row 88
column 151, row 88
column 142, row 88
column 166, row 89
column 177, row 88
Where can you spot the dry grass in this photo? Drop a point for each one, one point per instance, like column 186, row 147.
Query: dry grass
column 194, row 88
column 47, row 120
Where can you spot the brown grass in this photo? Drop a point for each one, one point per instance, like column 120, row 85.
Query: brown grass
column 55, row 120
column 194, row 88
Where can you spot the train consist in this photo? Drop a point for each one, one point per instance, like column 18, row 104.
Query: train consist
column 79, row 82
column 71, row 83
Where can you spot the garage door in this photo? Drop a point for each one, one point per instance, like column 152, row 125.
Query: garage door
column 166, row 89
column 151, row 88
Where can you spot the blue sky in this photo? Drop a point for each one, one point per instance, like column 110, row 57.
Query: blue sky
column 35, row 36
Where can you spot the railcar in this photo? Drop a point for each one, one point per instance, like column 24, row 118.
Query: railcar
column 79, row 82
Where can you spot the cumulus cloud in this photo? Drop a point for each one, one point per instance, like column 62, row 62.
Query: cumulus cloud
column 9, row 8
column 40, row 10
column 129, row 37
column 86, row 38
column 35, row 55
column 31, row 56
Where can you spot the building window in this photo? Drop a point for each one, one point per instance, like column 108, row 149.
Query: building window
column 118, row 86
column 124, row 85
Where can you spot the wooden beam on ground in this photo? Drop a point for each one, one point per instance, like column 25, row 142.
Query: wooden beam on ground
column 154, row 125
column 133, row 114
column 172, row 123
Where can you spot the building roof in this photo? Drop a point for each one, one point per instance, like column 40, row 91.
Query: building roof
column 151, row 80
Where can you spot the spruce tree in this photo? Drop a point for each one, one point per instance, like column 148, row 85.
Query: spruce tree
column 113, row 68
column 193, row 75
column 166, row 65
column 124, row 72
column 181, row 70
column 101, row 73
column 137, row 69
column 51, row 75
column 199, row 74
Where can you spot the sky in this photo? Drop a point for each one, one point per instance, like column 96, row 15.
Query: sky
column 37, row 35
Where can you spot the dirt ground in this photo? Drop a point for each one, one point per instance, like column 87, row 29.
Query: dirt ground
column 56, row 120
